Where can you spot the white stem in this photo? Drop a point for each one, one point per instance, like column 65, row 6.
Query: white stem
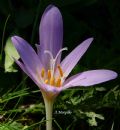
column 49, row 109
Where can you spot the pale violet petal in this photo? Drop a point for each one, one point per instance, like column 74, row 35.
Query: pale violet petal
column 50, row 89
column 21, row 65
column 44, row 87
column 33, row 76
column 89, row 78
column 27, row 54
column 50, row 33
column 72, row 59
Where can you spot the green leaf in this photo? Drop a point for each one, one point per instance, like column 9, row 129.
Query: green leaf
column 92, row 118
column 100, row 89
column 11, row 126
column 10, row 52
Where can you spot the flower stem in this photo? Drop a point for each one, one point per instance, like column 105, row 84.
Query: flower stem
column 49, row 110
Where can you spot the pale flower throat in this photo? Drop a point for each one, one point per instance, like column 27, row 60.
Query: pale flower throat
column 49, row 76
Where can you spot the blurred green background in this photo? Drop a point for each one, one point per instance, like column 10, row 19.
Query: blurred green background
column 94, row 108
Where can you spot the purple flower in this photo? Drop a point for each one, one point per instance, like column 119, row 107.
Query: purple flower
column 45, row 67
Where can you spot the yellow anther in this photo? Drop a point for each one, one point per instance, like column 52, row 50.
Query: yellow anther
column 58, row 83
column 42, row 72
column 52, row 81
column 60, row 70
column 46, row 81
column 49, row 74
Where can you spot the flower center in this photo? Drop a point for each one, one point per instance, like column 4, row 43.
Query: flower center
column 48, row 78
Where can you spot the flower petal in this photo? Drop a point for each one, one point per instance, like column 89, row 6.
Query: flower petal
column 90, row 77
column 42, row 86
column 51, row 33
column 30, row 74
column 50, row 89
column 27, row 54
column 21, row 65
column 72, row 59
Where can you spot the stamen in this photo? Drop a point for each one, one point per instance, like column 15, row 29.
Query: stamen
column 52, row 81
column 49, row 74
column 58, row 83
column 60, row 70
column 42, row 72
column 46, row 81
